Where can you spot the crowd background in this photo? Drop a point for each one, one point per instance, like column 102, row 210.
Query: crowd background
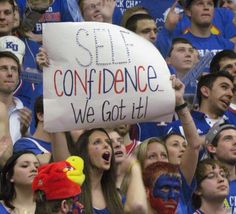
column 185, row 166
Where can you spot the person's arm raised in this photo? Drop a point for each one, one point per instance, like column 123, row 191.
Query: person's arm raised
column 60, row 149
column 190, row 157
column 136, row 201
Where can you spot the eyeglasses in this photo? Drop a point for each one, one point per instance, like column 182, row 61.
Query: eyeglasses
column 214, row 175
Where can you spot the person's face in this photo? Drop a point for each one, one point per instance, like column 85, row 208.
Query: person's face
column 92, row 10
column 99, row 150
column 201, row 12
column 6, row 18
column 9, row 76
column 228, row 4
column 123, row 129
column 25, row 170
column 147, row 29
column 155, row 152
column 176, row 145
column 225, row 150
column 182, row 57
column 165, row 194
column 118, row 146
column 220, row 95
column 229, row 65
column 215, row 184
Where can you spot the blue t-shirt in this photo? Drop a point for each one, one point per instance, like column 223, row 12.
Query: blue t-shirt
column 231, row 114
column 102, row 211
column 3, row 210
column 24, row 92
column 222, row 23
column 213, row 43
column 150, row 129
column 184, row 205
column 27, row 144
column 231, row 198
column 59, row 11
column 201, row 121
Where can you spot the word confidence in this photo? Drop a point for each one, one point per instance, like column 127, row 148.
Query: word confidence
column 92, row 82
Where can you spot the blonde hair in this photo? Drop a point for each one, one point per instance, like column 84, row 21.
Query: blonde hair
column 141, row 150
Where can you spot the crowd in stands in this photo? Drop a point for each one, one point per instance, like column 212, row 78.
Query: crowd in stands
column 186, row 166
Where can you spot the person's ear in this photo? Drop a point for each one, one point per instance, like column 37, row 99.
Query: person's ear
column 198, row 192
column 65, row 207
column 211, row 149
column 205, row 91
column 40, row 116
column 188, row 12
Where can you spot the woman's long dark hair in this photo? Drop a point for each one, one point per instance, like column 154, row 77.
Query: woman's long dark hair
column 108, row 182
column 7, row 189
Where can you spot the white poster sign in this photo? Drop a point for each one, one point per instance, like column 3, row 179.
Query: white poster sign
column 101, row 75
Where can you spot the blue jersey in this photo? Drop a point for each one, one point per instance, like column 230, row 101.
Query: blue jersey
column 28, row 144
column 230, row 201
column 184, row 205
column 150, row 129
column 222, row 24
column 59, row 11
column 213, row 43
column 201, row 120
column 3, row 210
column 102, row 211
column 231, row 114
column 24, row 92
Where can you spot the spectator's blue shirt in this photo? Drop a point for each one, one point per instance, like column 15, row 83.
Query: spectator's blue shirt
column 59, row 11
column 184, row 205
column 25, row 89
column 25, row 144
column 3, row 210
column 231, row 114
column 230, row 201
column 102, row 211
column 24, row 92
column 222, row 27
column 200, row 119
column 221, row 24
column 213, row 43
column 150, row 129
